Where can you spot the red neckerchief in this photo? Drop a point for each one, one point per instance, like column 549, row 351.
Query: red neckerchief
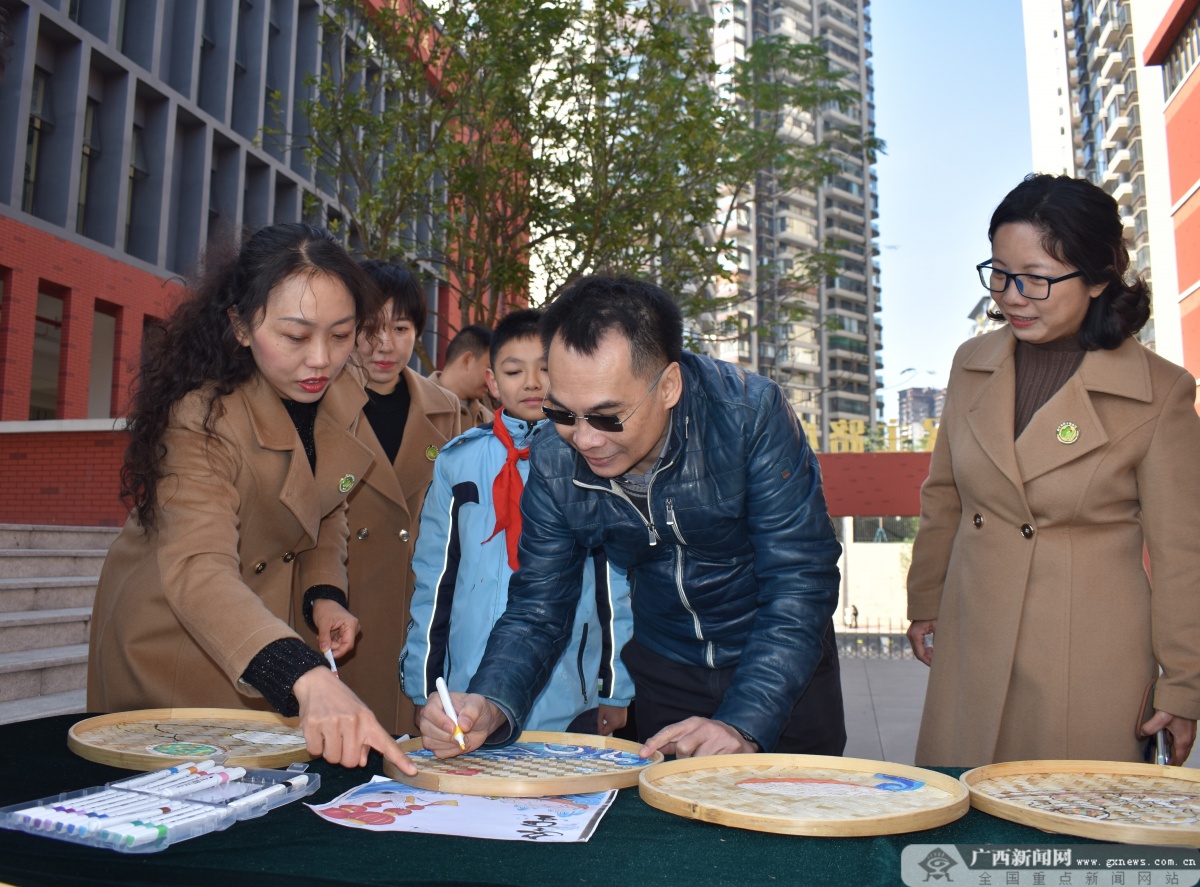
column 506, row 492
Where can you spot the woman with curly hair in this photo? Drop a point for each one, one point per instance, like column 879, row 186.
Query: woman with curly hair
column 242, row 452
column 1068, row 454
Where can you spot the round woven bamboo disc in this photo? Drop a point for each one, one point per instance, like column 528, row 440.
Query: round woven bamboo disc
column 556, row 764
column 804, row 794
column 1103, row 800
column 159, row 737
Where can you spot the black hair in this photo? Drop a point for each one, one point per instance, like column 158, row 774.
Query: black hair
column 521, row 324
column 639, row 310
column 474, row 338
column 1081, row 226
column 398, row 283
column 196, row 346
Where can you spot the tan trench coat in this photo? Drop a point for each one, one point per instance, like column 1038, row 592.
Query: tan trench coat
column 385, row 511
column 473, row 412
column 243, row 530
column 1030, row 556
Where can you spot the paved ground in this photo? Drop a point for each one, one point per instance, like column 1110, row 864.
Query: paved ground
column 883, row 700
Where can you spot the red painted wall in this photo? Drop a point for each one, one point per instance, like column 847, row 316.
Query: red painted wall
column 31, row 261
column 874, row 484
column 1182, row 116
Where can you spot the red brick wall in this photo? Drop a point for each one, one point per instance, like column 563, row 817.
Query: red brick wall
column 72, row 478
column 69, row 478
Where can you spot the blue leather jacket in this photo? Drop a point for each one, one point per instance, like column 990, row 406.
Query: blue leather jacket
column 738, row 564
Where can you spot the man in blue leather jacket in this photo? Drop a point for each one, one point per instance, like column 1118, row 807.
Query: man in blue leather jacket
column 696, row 478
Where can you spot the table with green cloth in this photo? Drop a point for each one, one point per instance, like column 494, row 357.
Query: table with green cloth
column 634, row 844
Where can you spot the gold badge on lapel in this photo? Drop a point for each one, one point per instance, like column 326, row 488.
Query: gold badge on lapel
column 346, row 483
column 1068, row 433
column 431, row 452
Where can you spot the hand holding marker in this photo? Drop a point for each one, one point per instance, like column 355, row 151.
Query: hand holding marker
column 448, row 705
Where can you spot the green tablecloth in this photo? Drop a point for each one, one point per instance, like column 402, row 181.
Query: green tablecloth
column 634, row 844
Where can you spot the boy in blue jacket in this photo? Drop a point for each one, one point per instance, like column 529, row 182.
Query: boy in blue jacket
column 467, row 550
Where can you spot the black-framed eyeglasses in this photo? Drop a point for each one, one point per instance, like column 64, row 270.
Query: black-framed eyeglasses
column 1031, row 286
column 600, row 421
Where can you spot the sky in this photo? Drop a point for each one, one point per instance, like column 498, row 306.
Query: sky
column 952, row 105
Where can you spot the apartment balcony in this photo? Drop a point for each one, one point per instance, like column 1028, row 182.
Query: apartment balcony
column 797, row 238
column 838, row 21
column 833, row 229
column 1113, row 64
column 842, row 345
column 1110, row 33
column 1117, row 130
column 836, row 209
column 1097, row 57
column 1120, row 161
column 1123, row 194
column 1114, row 91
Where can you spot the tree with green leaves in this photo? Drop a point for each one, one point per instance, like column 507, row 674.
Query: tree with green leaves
column 509, row 147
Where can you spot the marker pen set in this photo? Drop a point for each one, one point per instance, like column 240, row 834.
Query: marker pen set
column 147, row 813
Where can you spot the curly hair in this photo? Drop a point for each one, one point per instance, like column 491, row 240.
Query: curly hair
column 1081, row 226
column 196, row 346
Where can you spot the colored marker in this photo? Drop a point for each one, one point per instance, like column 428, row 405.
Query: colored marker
column 271, row 791
column 448, row 705
column 157, row 775
column 138, row 832
column 332, row 664
column 201, row 781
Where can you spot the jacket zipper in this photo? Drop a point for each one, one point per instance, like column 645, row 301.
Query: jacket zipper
column 583, row 687
column 672, row 523
column 708, row 653
column 615, row 489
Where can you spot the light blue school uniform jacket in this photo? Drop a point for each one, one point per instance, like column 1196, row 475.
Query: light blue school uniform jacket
column 462, row 589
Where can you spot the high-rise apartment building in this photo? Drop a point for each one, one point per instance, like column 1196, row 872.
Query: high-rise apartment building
column 1095, row 112
column 918, row 404
column 826, row 356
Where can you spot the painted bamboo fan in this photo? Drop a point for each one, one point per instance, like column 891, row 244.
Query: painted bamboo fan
column 805, row 794
column 538, row 764
column 154, row 738
column 1103, row 800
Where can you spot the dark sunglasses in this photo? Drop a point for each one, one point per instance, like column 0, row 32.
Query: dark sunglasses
column 600, row 421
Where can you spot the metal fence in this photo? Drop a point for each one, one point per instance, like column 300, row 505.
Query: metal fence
column 873, row 645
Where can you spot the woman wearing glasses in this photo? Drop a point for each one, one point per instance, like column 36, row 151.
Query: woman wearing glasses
column 1066, row 450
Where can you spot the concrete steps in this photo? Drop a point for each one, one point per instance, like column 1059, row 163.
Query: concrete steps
column 48, row 581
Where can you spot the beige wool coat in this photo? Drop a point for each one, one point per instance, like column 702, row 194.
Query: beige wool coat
column 1030, row 556
column 473, row 412
column 243, row 530
column 385, row 512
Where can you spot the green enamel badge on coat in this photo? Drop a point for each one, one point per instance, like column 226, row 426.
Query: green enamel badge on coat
column 346, row 483
column 1068, row 433
column 431, row 452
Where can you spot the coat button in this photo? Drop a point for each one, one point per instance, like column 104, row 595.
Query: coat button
column 403, row 534
column 288, row 557
column 363, row 533
column 978, row 520
column 1027, row 531
column 259, row 567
